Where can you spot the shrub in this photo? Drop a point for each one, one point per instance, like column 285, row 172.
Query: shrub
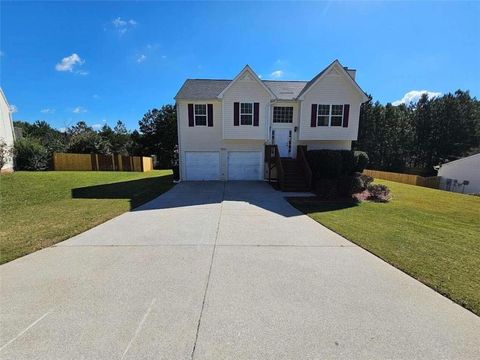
column 325, row 164
column 378, row 193
column 326, row 188
column 329, row 164
column 30, row 155
column 361, row 161
column 5, row 153
column 360, row 183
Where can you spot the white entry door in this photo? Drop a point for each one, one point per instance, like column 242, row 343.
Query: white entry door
column 282, row 138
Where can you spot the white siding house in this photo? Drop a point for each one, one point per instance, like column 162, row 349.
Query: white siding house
column 454, row 174
column 224, row 125
column 7, row 134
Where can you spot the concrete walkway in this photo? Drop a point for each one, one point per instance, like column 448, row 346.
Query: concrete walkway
column 222, row 271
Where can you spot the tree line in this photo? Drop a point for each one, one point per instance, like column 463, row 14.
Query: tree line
column 157, row 135
column 414, row 138
column 406, row 138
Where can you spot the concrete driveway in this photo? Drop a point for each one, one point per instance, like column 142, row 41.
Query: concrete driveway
column 222, row 271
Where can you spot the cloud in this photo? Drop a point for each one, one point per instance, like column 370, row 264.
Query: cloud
column 414, row 95
column 79, row 110
column 97, row 126
column 69, row 63
column 123, row 25
column 62, row 129
column 1, row 53
column 277, row 74
column 13, row 108
column 141, row 58
column 47, row 111
column 96, row 96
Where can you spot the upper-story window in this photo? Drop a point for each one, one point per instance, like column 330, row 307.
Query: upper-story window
column 200, row 115
column 246, row 114
column 329, row 115
column 323, row 115
column 337, row 115
column 282, row 114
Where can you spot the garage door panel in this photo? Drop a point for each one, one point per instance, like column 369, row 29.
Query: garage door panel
column 202, row 165
column 244, row 165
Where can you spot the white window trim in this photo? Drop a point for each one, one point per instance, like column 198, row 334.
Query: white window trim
column 283, row 106
column 330, row 115
column 240, row 111
column 195, row 115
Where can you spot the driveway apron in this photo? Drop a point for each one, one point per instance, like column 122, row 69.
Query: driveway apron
column 214, row 270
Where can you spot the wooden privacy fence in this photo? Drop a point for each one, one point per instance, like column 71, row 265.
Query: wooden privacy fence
column 431, row 182
column 98, row 162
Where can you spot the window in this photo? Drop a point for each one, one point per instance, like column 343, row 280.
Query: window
column 337, row 115
column 200, row 115
column 330, row 115
column 246, row 114
column 323, row 115
column 282, row 114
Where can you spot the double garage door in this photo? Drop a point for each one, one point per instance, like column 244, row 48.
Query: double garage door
column 241, row 165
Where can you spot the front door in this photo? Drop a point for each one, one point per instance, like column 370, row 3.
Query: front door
column 283, row 139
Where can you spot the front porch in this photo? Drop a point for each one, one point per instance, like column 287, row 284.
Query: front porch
column 290, row 174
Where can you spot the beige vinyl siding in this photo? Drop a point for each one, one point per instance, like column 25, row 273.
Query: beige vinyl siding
column 333, row 89
column 246, row 91
column 204, row 138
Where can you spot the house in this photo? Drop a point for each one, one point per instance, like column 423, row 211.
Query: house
column 462, row 175
column 245, row 128
column 7, row 134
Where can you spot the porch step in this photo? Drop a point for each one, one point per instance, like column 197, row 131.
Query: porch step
column 294, row 176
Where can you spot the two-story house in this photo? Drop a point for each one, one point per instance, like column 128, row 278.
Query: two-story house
column 236, row 129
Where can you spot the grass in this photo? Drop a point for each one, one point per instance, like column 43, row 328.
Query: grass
column 431, row 235
column 39, row 209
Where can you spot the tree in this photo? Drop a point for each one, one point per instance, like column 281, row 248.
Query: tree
column 420, row 135
column 52, row 139
column 158, row 135
column 84, row 140
column 30, row 154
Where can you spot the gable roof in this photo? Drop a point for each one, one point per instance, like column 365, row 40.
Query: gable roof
column 285, row 90
column 247, row 69
column 208, row 89
column 467, row 158
column 202, row 89
column 320, row 75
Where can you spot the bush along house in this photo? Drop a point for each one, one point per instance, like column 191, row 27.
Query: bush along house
column 253, row 129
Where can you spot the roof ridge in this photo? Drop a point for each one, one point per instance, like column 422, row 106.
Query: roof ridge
column 211, row 79
column 286, row 80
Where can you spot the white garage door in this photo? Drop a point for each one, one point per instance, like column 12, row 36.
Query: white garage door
column 202, row 165
column 244, row 165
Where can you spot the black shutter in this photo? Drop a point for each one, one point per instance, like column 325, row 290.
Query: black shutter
column 346, row 112
column 236, row 114
column 191, row 121
column 256, row 114
column 210, row 114
column 313, row 119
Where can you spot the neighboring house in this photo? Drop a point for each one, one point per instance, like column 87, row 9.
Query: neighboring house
column 7, row 134
column 454, row 175
column 226, row 127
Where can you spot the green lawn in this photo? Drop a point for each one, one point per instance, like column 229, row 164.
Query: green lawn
column 430, row 234
column 39, row 209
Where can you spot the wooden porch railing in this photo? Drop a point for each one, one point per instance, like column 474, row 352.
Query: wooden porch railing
column 302, row 159
column 272, row 157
